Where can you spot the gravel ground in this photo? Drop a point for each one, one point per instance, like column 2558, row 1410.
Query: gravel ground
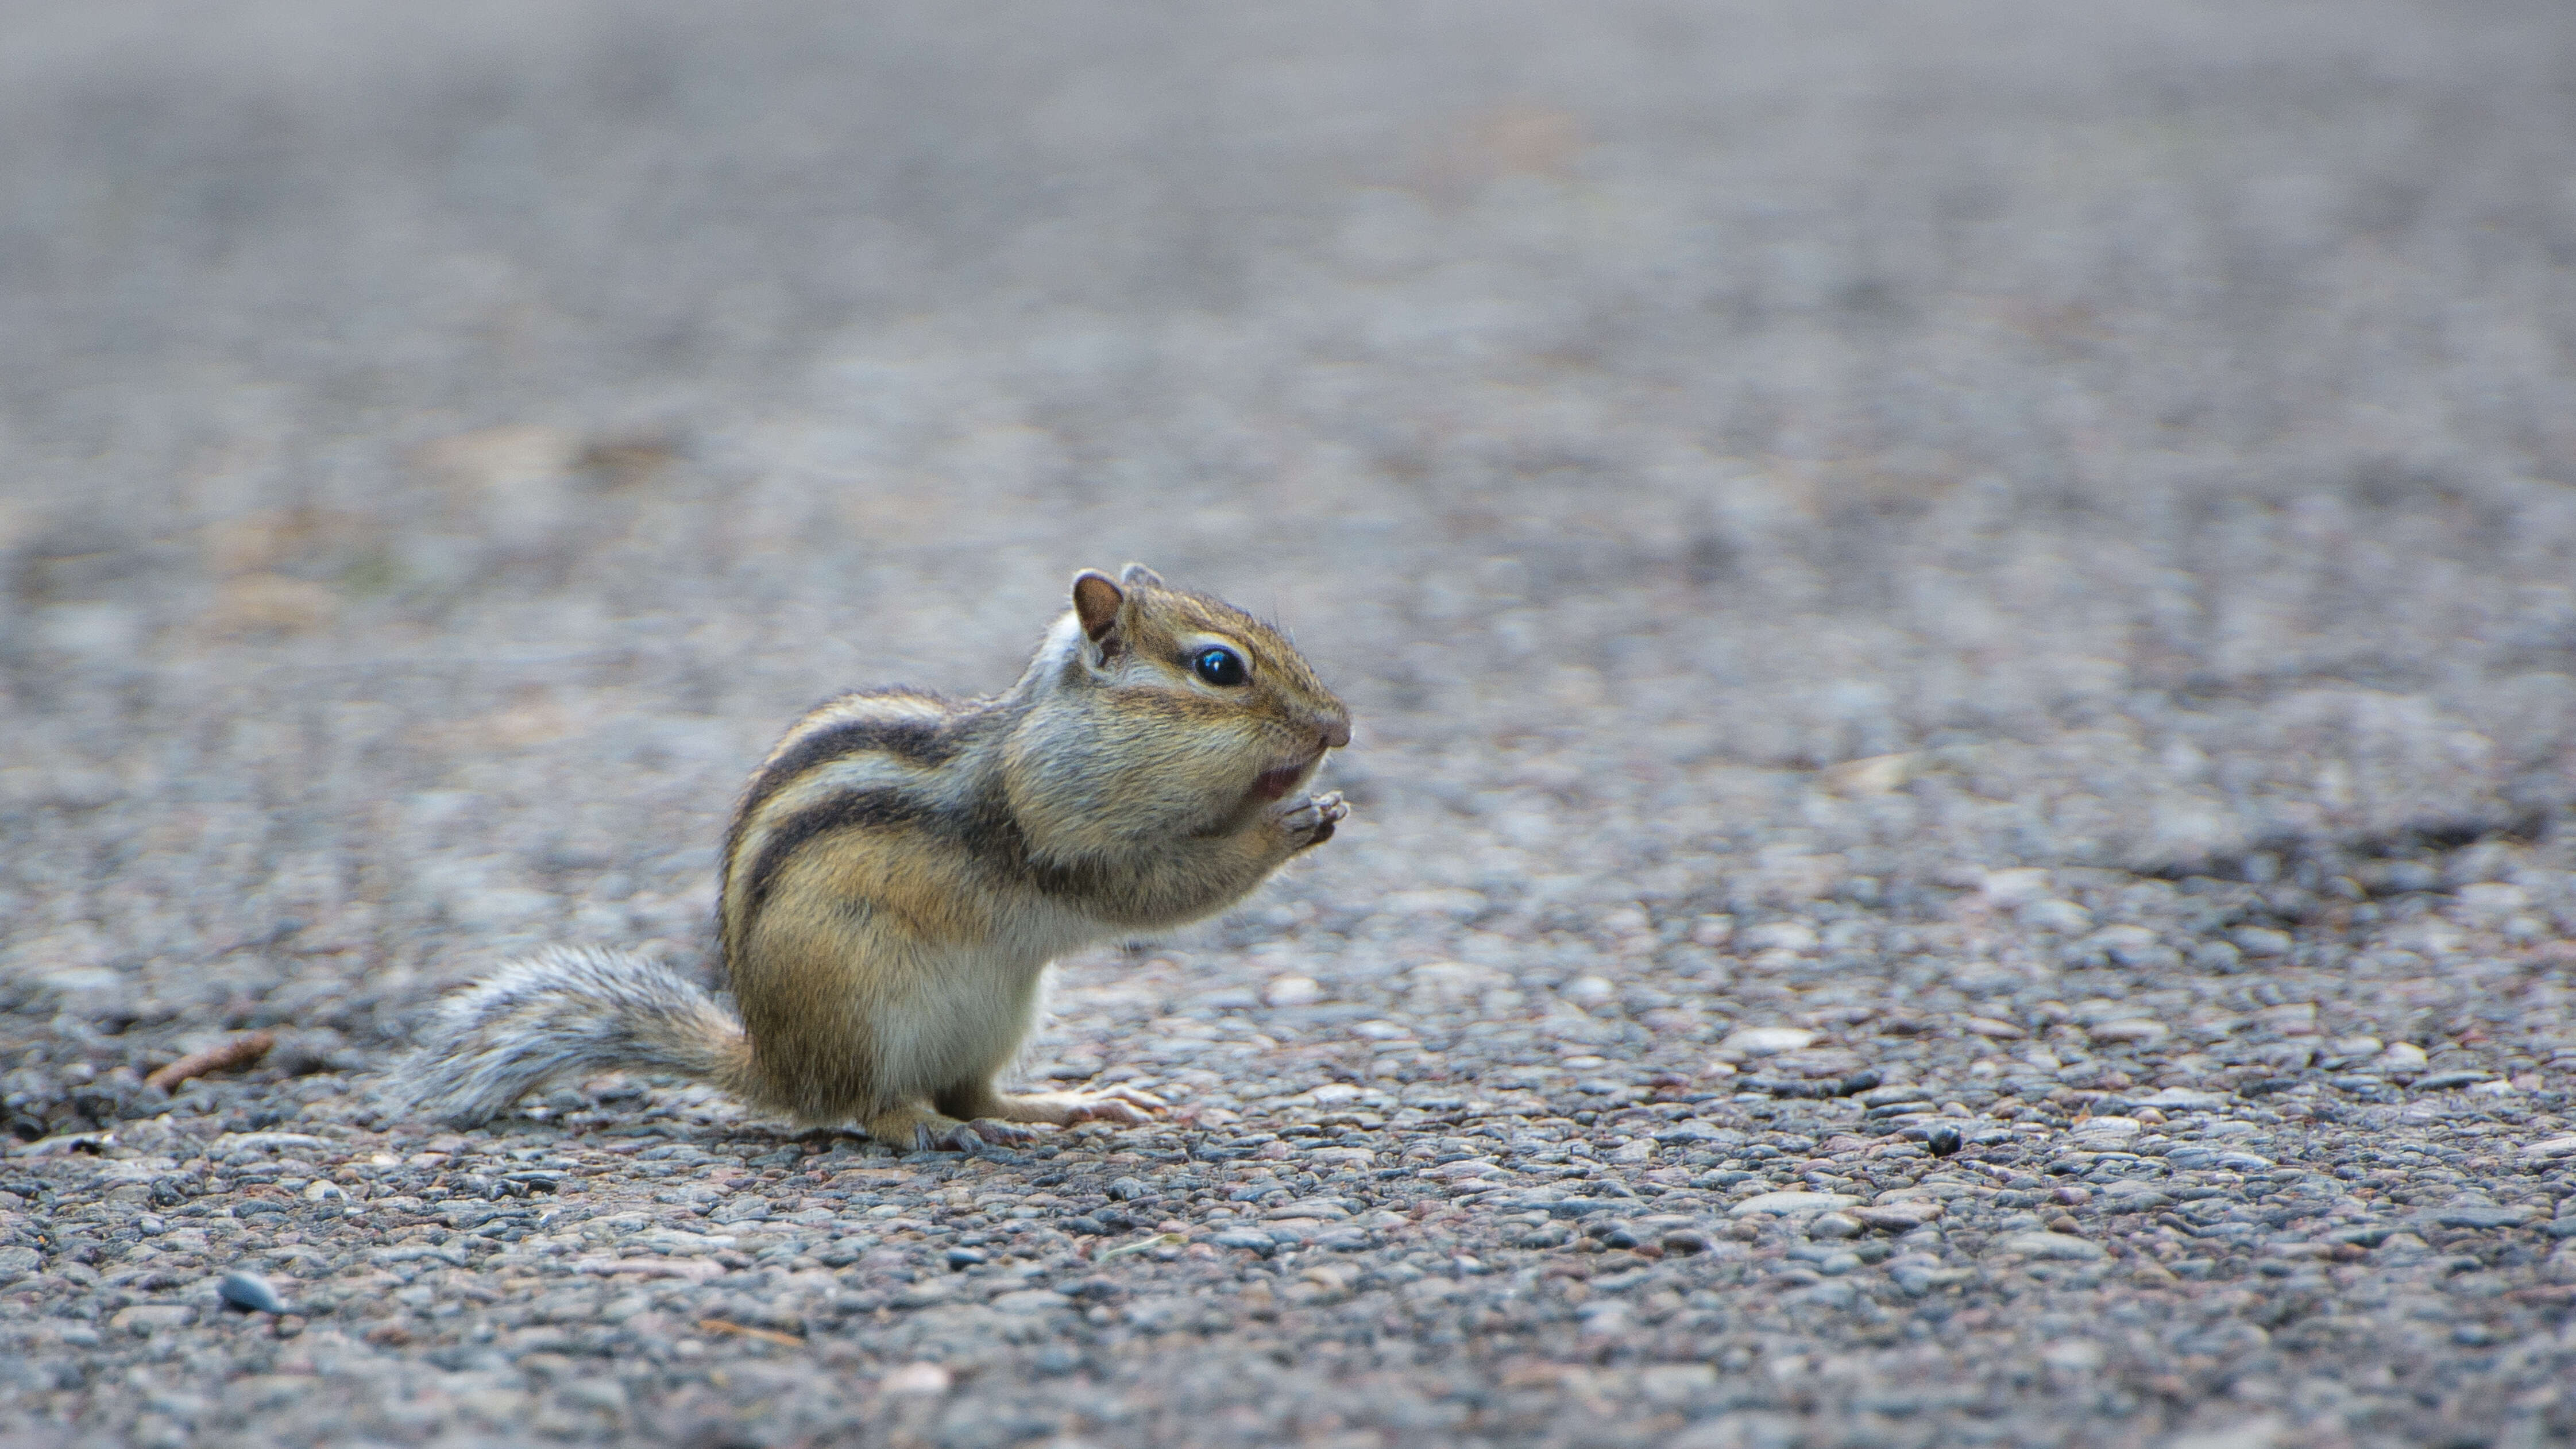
column 1960, row 619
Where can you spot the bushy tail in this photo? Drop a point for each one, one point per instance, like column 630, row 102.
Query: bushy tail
column 564, row 1012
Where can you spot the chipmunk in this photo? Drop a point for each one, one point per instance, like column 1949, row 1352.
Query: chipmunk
column 903, row 866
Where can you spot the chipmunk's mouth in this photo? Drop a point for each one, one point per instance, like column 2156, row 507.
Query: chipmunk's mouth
column 1273, row 783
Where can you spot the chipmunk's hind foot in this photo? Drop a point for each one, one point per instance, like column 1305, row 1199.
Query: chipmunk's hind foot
column 919, row 1129
column 1120, row 1104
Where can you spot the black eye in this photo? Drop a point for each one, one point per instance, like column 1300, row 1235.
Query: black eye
column 1219, row 666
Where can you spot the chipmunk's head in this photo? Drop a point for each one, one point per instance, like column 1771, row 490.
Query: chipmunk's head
column 1244, row 704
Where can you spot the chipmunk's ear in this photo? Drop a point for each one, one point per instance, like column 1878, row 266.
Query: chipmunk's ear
column 1095, row 603
column 1137, row 576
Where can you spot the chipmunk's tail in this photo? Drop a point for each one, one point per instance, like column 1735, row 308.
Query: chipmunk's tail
column 566, row 1012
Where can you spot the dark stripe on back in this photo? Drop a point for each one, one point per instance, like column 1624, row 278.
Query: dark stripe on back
column 989, row 825
column 914, row 741
column 855, row 809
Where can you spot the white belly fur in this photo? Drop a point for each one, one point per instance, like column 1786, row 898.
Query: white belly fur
column 968, row 1013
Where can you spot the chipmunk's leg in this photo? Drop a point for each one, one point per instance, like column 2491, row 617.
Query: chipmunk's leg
column 914, row 1127
column 980, row 1103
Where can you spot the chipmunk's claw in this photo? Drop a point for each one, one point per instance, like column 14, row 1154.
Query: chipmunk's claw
column 986, row 1137
column 1313, row 818
column 981, row 1135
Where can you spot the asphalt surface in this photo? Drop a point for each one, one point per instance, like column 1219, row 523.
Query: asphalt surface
column 1962, row 624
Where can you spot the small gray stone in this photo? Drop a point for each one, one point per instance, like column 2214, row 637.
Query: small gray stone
column 2140, row 1030
column 1784, row 1203
column 2443, row 1081
column 1763, row 1041
column 1028, row 1300
column 1916, row 1274
column 248, row 1292
column 2259, row 941
column 2057, row 1247
column 153, row 1317
column 2182, row 1099
column 2481, row 1215
column 1897, row 1217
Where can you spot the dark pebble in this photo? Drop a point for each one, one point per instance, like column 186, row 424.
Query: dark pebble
column 2441, row 1081
column 2475, row 1216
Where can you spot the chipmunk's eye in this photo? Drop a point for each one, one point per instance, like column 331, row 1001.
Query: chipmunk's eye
column 1220, row 666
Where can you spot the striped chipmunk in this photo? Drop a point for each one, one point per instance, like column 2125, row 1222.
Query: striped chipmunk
column 903, row 866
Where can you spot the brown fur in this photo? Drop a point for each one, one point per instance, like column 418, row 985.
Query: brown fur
column 1109, row 788
column 902, row 867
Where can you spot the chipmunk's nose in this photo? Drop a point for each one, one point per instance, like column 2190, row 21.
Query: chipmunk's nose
column 1336, row 732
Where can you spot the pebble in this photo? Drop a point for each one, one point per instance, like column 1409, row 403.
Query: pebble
column 1292, row 991
column 1898, row 1217
column 2014, row 888
column 1917, row 1274
column 2106, row 1132
column 2481, row 1215
column 2403, row 1057
column 2184, row 1099
column 1784, row 1203
column 1763, row 1041
column 2444, row 1081
column 2075, row 1355
column 2061, row 1247
column 249, row 1292
column 2063, row 917
column 2133, row 1030
column 917, row 1379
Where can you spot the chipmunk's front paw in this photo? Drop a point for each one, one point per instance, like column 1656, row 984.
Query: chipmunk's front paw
column 1310, row 822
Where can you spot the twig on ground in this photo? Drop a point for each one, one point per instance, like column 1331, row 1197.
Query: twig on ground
column 240, row 1052
column 745, row 1330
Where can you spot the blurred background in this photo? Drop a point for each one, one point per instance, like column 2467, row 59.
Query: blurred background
column 1727, row 454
